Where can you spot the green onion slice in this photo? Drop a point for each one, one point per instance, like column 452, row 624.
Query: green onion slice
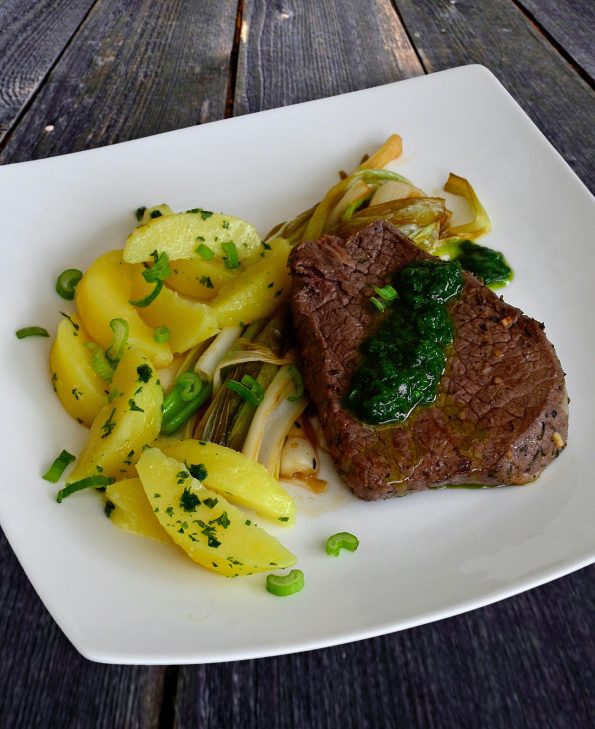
column 298, row 381
column 378, row 303
column 231, row 257
column 56, row 470
column 32, row 332
column 339, row 541
column 190, row 385
column 248, row 388
column 160, row 269
column 100, row 363
column 283, row 585
column 84, row 483
column 386, row 293
column 161, row 334
column 67, row 281
column 116, row 349
column 150, row 298
column 205, row 252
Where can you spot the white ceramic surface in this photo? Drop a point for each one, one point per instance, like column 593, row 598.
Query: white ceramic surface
column 123, row 599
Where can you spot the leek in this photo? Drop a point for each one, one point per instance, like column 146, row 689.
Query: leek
column 480, row 224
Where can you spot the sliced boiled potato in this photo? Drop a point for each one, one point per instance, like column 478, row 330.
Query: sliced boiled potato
column 208, row 528
column 131, row 420
column 256, row 291
column 189, row 322
column 132, row 510
column 103, row 294
column 79, row 388
column 179, row 236
column 240, row 479
column 199, row 278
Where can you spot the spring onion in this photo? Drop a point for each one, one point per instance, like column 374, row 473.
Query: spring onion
column 205, row 252
column 378, row 303
column 67, row 281
column 248, row 388
column 387, row 293
column 156, row 274
column 231, row 258
column 283, row 585
column 56, row 470
column 176, row 409
column 150, row 298
column 84, row 483
column 161, row 334
column 298, row 381
column 100, row 363
column 32, row 332
column 339, row 541
column 115, row 351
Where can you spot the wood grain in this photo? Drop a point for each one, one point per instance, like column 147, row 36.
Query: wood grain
column 45, row 683
column 498, row 35
column 135, row 68
column 524, row 662
column 33, row 36
column 293, row 50
column 571, row 24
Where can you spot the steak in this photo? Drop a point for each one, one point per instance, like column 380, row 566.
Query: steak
column 501, row 414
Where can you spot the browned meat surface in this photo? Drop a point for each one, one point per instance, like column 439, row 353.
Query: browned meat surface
column 501, row 413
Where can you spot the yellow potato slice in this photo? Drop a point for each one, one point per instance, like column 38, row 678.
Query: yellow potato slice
column 179, row 236
column 79, row 388
column 103, row 294
column 213, row 532
column 189, row 322
column 198, row 278
column 258, row 290
column 123, row 426
column 132, row 510
column 240, row 479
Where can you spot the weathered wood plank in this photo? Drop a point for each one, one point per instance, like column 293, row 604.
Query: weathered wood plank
column 44, row 682
column 524, row 662
column 32, row 37
column 294, row 51
column 497, row 34
column 135, row 68
column 571, row 23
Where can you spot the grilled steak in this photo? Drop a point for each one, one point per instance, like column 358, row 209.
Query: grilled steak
column 501, row 412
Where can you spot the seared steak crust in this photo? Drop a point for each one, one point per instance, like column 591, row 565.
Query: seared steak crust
column 501, row 413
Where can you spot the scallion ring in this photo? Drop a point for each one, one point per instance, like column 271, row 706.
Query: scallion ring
column 283, row 585
column 32, row 332
column 190, row 385
column 339, row 541
column 150, row 297
column 55, row 471
column 67, row 281
column 378, row 303
column 84, row 483
column 205, row 252
column 231, row 258
column 100, row 363
column 248, row 388
column 160, row 269
column 386, row 293
column 116, row 349
column 161, row 334
column 298, row 381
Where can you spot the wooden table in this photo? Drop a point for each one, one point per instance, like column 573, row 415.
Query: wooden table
column 77, row 74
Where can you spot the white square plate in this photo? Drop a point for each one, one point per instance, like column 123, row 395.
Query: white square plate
column 124, row 599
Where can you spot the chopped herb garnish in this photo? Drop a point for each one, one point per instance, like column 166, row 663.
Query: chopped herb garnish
column 170, row 511
column 283, row 518
column 155, row 214
column 133, row 407
column 213, row 542
column 76, row 326
column 270, row 286
column 55, row 471
column 339, row 541
column 386, row 293
column 249, row 388
column 109, row 425
column 161, row 334
column 265, row 245
column 206, row 282
column 198, row 471
column 222, row 520
column 156, row 496
column 76, row 394
column 32, row 332
column 378, row 303
column 188, row 500
column 84, row 483
column 225, row 224
column 144, row 373
column 140, row 212
column 115, row 351
column 108, row 508
column 205, row 252
column 248, row 522
column 205, row 214
column 113, row 394
column 211, row 503
column 231, row 257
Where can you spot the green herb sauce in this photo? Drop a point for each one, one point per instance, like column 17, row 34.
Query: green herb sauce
column 490, row 266
column 402, row 363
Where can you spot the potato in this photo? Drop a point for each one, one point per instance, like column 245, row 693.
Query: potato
column 154, row 212
column 132, row 510
column 199, row 278
column 189, row 322
column 240, row 479
column 123, row 426
column 208, row 528
column 103, row 294
column 180, row 235
column 79, row 388
column 258, row 290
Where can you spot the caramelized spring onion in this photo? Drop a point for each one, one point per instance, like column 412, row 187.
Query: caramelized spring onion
column 480, row 224
column 208, row 361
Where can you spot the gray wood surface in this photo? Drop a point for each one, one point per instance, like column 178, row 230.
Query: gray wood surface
column 111, row 70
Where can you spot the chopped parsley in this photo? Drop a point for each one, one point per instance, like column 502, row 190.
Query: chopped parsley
column 205, row 214
column 204, row 251
column 109, row 425
column 144, row 373
column 198, row 471
column 283, row 518
column 140, row 212
column 113, row 394
column 188, row 500
column 155, row 214
column 71, row 320
column 133, row 407
column 206, row 281
column 109, row 507
column 76, row 394
column 225, row 224
column 170, row 511
column 211, row 503
column 265, row 245
column 222, row 520
column 182, row 476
